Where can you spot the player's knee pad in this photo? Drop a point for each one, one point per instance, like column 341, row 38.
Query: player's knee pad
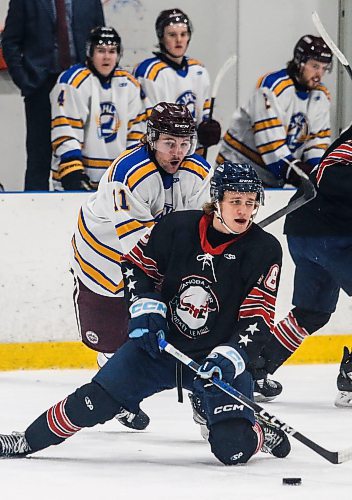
column 233, row 441
column 310, row 320
column 90, row 405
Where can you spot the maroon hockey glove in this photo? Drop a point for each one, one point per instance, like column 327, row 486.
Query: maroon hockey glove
column 209, row 133
column 291, row 177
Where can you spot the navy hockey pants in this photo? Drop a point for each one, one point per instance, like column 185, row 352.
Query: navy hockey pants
column 131, row 375
column 323, row 267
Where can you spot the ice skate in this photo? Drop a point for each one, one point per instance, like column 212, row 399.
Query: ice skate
column 344, row 381
column 14, row 445
column 137, row 421
column 275, row 441
column 266, row 390
column 199, row 415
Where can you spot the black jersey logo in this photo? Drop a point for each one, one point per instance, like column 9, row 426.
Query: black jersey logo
column 193, row 306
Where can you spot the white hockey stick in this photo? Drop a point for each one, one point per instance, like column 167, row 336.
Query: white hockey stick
column 327, row 39
column 231, row 61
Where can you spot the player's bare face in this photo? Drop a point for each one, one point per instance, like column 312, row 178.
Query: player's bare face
column 236, row 211
column 175, row 40
column 170, row 151
column 312, row 73
column 104, row 59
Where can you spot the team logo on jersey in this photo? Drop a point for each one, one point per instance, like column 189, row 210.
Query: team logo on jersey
column 92, row 337
column 188, row 99
column 191, row 308
column 108, row 122
column 297, row 131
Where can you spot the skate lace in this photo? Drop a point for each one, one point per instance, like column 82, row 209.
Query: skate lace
column 271, row 440
column 266, row 381
column 125, row 414
column 14, row 444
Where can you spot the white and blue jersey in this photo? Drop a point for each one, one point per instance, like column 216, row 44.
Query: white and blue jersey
column 188, row 84
column 93, row 121
column 279, row 122
column 132, row 195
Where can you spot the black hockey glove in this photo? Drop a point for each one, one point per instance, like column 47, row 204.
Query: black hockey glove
column 209, row 133
column 224, row 362
column 148, row 323
column 291, row 177
column 76, row 181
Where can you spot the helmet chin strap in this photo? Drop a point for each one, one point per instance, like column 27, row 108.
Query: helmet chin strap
column 218, row 215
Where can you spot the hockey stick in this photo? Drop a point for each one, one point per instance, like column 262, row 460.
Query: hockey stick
column 309, row 193
column 218, row 79
column 333, row 47
column 335, row 457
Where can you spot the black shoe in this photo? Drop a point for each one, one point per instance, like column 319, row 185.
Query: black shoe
column 275, row 440
column 344, row 381
column 266, row 390
column 14, row 445
column 137, row 421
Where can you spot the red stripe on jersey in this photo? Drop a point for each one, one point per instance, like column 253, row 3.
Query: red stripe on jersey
column 289, row 333
column 261, row 311
column 259, row 303
column 146, row 264
column 343, row 154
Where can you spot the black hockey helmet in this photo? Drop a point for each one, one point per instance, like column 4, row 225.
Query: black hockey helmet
column 240, row 177
column 171, row 17
column 311, row 47
column 103, row 35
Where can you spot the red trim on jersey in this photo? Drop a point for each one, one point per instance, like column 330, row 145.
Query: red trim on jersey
column 342, row 154
column 204, row 223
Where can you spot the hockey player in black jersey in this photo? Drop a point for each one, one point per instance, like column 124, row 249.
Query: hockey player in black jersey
column 319, row 237
column 207, row 281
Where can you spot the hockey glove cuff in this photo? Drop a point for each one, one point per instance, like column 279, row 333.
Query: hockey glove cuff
column 224, row 362
column 147, row 324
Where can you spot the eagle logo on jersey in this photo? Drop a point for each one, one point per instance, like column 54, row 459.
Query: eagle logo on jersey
column 108, row 122
column 188, row 99
column 297, row 131
column 192, row 306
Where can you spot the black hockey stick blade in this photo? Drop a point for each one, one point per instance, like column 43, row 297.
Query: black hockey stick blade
column 309, row 192
column 334, row 457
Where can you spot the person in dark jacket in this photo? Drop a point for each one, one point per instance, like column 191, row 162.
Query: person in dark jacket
column 41, row 38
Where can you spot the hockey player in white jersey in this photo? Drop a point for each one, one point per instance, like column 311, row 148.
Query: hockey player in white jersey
column 172, row 76
column 97, row 112
column 287, row 118
column 142, row 185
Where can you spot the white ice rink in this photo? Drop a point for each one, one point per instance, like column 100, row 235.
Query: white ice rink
column 170, row 460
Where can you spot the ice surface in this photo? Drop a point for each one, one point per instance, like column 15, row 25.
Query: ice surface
column 170, row 460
